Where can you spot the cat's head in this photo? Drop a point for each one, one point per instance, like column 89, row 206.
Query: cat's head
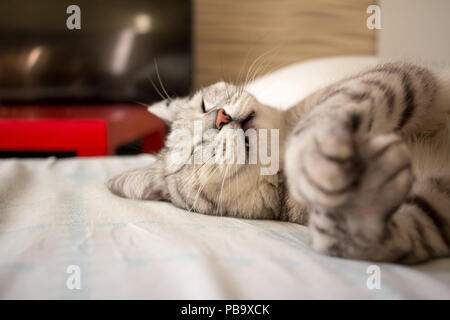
column 222, row 153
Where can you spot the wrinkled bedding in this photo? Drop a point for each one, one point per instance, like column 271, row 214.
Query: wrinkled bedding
column 57, row 213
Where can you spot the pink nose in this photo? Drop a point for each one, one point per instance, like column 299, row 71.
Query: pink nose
column 222, row 119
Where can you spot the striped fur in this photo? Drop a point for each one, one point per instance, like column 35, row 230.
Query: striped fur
column 363, row 156
column 365, row 162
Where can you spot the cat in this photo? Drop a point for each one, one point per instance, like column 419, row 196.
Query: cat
column 363, row 162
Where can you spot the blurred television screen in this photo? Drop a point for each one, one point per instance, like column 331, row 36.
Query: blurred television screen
column 120, row 48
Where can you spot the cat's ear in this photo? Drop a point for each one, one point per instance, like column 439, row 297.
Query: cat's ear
column 167, row 109
column 143, row 183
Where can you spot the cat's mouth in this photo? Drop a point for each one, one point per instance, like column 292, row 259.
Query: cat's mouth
column 247, row 123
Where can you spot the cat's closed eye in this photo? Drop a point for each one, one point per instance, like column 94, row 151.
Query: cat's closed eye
column 203, row 106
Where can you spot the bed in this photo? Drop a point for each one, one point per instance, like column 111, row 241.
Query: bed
column 57, row 215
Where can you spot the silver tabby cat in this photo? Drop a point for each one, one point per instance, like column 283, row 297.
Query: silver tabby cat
column 364, row 162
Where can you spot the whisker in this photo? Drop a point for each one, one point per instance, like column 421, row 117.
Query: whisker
column 226, row 89
column 219, row 203
column 253, row 64
column 256, row 68
column 188, row 180
column 140, row 103
column 202, row 187
column 223, row 77
column 159, row 78
column 242, row 68
column 260, row 70
column 210, row 172
column 157, row 90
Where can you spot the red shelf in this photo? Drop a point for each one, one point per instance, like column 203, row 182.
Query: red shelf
column 85, row 137
column 87, row 130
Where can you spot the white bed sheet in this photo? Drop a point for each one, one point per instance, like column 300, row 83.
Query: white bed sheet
column 57, row 213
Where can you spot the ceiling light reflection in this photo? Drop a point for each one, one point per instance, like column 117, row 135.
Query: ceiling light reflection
column 122, row 51
column 142, row 23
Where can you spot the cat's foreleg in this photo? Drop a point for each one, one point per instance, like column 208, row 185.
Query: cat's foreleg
column 392, row 97
column 145, row 183
column 383, row 219
column 368, row 205
column 346, row 159
column 415, row 231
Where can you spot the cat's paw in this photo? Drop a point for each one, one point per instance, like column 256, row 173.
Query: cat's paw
column 126, row 185
column 322, row 165
column 115, row 185
column 141, row 183
column 387, row 177
column 328, row 168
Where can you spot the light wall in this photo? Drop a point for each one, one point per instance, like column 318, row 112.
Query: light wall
column 417, row 29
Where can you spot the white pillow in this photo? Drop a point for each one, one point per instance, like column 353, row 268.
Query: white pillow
column 287, row 86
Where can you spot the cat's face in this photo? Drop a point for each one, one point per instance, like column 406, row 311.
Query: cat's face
column 212, row 155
